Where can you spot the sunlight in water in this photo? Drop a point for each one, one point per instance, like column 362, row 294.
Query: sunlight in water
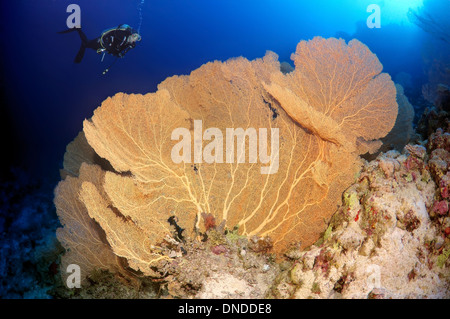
column 395, row 11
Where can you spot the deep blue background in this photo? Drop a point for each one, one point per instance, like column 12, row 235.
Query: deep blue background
column 47, row 96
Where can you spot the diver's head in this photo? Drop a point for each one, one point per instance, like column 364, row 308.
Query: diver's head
column 135, row 37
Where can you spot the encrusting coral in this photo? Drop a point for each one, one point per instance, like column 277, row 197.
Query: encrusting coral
column 125, row 198
column 383, row 243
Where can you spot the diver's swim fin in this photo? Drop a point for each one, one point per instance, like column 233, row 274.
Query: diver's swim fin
column 84, row 42
column 67, row 31
column 80, row 54
column 83, row 37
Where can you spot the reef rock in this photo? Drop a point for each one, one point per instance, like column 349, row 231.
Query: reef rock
column 381, row 244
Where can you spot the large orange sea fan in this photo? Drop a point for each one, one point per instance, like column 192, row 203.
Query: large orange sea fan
column 333, row 107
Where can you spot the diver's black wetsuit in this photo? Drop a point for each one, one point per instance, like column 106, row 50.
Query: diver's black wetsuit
column 114, row 41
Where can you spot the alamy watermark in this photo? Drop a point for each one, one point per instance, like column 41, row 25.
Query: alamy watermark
column 374, row 20
column 74, row 278
column 214, row 152
column 74, row 19
column 373, row 279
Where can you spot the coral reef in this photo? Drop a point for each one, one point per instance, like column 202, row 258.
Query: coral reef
column 403, row 130
column 29, row 251
column 431, row 120
column 226, row 265
column 385, row 241
column 439, row 148
column 121, row 214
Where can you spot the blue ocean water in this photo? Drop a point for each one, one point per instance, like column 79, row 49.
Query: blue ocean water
column 49, row 96
column 46, row 96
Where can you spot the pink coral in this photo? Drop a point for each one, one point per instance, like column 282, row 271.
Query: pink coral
column 441, row 207
column 444, row 184
column 219, row 249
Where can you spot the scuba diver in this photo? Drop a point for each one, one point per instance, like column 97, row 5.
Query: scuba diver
column 115, row 41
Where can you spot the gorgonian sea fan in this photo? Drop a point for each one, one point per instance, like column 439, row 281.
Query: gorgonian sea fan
column 333, row 107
